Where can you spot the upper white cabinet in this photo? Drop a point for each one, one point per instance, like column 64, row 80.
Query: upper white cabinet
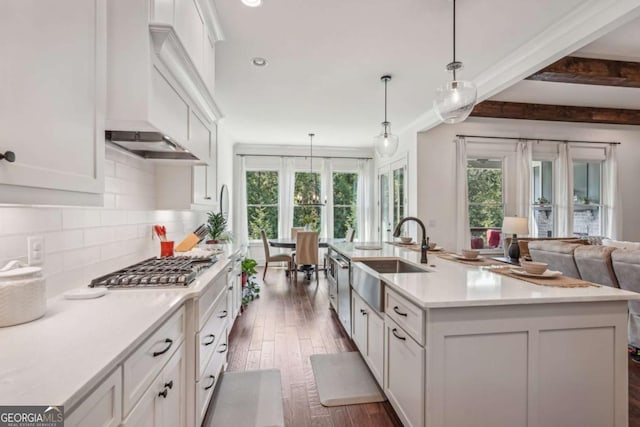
column 52, row 82
column 160, row 69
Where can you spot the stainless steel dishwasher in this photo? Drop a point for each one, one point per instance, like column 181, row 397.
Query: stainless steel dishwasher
column 339, row 282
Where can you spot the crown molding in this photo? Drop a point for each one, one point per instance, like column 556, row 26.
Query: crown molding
column 210, row 15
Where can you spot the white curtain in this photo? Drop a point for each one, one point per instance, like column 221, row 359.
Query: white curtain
column 326, row 191
column 364, row 199
column 523, row 182
column 240, row 223
column 611, row 194
column 564, row 192
column 286, row 190
column 463, row 235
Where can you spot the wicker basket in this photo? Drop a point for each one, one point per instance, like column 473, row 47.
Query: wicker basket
column 22, row 296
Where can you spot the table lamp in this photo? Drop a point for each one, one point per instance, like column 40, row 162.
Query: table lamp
column 515, row 225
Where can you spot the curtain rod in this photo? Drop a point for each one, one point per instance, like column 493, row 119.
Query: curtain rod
column 538, row 139
column 306, row 157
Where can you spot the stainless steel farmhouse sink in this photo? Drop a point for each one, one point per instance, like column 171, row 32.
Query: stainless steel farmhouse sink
column 365, row 278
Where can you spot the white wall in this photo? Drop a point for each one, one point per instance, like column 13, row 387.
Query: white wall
column 84, row 243
column 436, row 167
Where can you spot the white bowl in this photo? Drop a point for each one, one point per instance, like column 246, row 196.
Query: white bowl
column 406, row 239
column 532, row 267
column 470, row 253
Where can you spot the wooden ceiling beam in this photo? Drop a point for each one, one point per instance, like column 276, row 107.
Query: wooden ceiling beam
column 589, row 71
column 556, row 113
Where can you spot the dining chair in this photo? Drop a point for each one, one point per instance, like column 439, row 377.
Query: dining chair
column 351, row 233
column 294, row 231
column 273, row 258
column 306, row 251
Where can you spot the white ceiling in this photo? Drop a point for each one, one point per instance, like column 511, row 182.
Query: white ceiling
column 621, row 44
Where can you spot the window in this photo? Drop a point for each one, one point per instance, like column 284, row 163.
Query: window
column 307, row 183
column 262, row 203
column 486, row 205
column 393, row 197
column 345, row 194
column 542, row 198
column 587, row 218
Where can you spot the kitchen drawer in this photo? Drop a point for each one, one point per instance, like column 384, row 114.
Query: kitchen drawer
column 141, row 368
column 408, row 315
column 103, row 407
column 208, row 298
column 211, row 332
column 209, row 379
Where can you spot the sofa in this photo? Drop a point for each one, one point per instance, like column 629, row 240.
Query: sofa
column 609, row 265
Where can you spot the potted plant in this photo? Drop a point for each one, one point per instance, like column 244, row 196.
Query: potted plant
column 542, row 201
column 585, row 200
column 250, row 288
column 216, row 227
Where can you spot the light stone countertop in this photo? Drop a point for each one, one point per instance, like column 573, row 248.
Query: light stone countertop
column 450, row 284
column 57, row 359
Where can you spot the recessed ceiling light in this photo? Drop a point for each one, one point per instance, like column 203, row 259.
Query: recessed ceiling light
column 252, row 3
column 259, row 62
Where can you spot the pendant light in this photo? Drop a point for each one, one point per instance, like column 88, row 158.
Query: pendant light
column 455, row 99
column 386, row 143
column 311, row 198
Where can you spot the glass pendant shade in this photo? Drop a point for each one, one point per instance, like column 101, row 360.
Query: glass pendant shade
column 386, row 143
column 455, row 100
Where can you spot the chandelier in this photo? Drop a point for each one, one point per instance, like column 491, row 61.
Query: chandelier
column 311, row 197
column 455, row 99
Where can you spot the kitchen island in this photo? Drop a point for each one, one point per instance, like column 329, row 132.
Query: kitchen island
column 458, row 345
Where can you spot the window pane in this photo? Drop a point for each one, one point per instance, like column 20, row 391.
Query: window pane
column 398, row 196
column 262, row 218
column 306, row 185
column 586, row 220
column 345, row 193
column 542, row 198
column 262, row 203
column 262, row 188
column 384, row 206
column 586, row 182
column 486, row 208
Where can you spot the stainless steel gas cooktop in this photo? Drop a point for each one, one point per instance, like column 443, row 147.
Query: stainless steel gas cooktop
column 156, row 273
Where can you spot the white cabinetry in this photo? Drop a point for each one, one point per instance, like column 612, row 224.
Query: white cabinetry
column 404, row 354
column 368, row 334
column 103, row 407
column 162, row 404
column 156, row 70
column 53, row 100
column 404, row 379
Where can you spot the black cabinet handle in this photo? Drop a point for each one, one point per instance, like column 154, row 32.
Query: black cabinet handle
column 225, row 348
column 213, row 377
column 364, row 312
column 163, row 393
column 399, row 312
column 361, row 311
column 158, row 353
column 169, row 385
column 213, row 338
column 224, row 314
column 208, row 198
column 393, row 331
column 9, row 156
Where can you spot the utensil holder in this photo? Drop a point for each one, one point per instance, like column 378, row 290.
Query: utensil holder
column 166, row 249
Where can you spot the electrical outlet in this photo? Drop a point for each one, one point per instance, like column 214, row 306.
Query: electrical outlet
column 35, row 250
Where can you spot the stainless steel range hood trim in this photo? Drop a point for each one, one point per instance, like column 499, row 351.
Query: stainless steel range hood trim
column 175, row 151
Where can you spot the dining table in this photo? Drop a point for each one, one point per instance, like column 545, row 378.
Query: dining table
column 290, row 243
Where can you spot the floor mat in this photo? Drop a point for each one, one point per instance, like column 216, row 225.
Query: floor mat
column 247, row 399
column 344, row 379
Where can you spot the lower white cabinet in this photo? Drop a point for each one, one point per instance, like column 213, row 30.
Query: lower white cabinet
column 209, row 378
column 103, row 407
column 368, row 334
column 162, row 404
column 404, row 374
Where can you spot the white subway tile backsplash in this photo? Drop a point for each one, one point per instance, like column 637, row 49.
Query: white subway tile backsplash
column 82, row 244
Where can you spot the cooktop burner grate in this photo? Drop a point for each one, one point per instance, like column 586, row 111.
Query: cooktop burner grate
column 156, row 272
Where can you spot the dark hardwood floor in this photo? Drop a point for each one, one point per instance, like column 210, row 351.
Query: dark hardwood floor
column 281, row 329
column 288, row 323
